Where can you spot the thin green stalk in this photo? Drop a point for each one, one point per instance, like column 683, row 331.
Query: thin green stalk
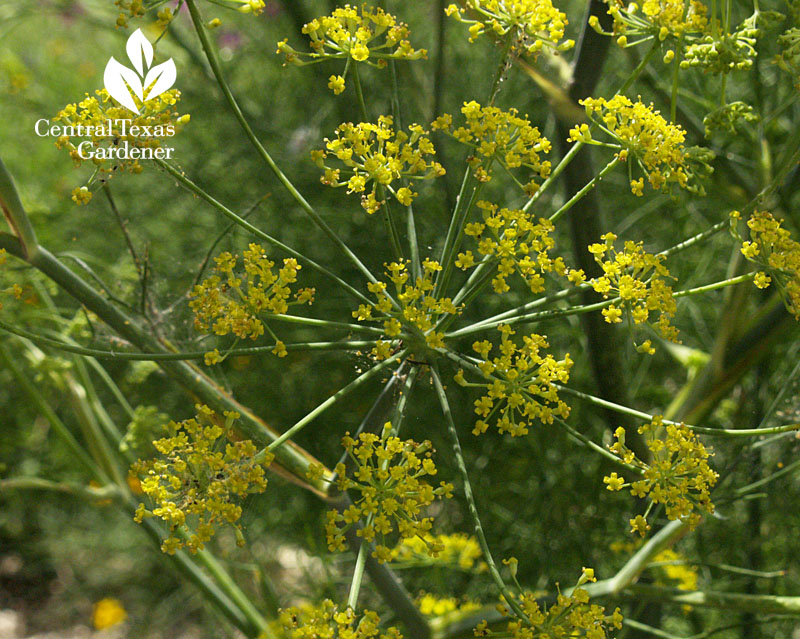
column 336, row 397
column 596, row 447
column 786, row 470
column 746, row 277
column 510, row 598
column 761, row 604
column 391, row 228
column 580, row 194
column 362, row 105
column 183, row 355
column 41, row 405
column 358, row 574
column 109, row 491
column 717, row 432
column 554, row 174
column 194, row 188
column 455, row 242
column 213, row 60
column 450, row 238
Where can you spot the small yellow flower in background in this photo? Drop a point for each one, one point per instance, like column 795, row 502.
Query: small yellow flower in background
column 81, row 195
column 194, row 481
column 772, row 249
column 376, row 154
column 457, row 550
column 520, row 384
column 108, row 612
column 655, row 19
column 250, row 6
column 676, row 569
column 366, row 34
column 678, row 476
column 533, row 23
column 129, row 9
column 389, row 490
column 432, row 605
column 498, row 136
column 638, row 278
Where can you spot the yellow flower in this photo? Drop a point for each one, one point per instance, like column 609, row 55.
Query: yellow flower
column 336, row 84
column 327, row 620
column 108, row 612
column 532, row 23
column 81, row 195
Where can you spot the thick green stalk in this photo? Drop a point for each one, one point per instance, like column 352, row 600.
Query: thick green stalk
column 582, row 193
column 15, row 213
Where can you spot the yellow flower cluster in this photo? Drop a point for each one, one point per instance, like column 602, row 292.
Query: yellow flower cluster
column 520, row 384
column 676, row 570
column 678, row 477
column 654, row 18
column 457, row 549
column 231, row 301
column 195, row 481
column 498, row 136
column 532, row 24
column 350, row 33
column 571, row 616
column 638, row 279
column 419, row 310
column 99, row 121
column 656, row 145
column 129, row 9
column 730, row 52
column 108, row 612
column 375, row 153
column 327, row 621
column 390, row 482
column 520, row 243
column 772, row 248
column 434, row 606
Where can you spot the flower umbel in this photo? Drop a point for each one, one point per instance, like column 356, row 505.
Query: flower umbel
column 389, row 489
column 231, row 301
column 533, row 24
column 571, row 616
column 520, row 384
column 195, row 482
column 328, row 621
column 678, row 476
column 498, row 136
column 376, row 154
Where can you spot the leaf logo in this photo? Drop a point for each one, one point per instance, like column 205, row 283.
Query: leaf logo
column 145, row 82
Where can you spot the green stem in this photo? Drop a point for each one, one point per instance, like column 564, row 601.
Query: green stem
column 336, row 397
column 362, row 105
column 580, row 194
column 194, row 188
column 554, row 174
column 213, row 60
column 717, row 432
column 596, row 447
column 510, row 598
column 15, row 213
column 358, row 574
column 746, row 277
column 183, row 355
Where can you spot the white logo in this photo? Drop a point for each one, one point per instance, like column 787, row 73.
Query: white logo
column 146, row 82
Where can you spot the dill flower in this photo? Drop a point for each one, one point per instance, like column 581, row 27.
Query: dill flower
column 638, row 278
column 678, row 476
column 327, row 620
column 520, row 244
column 103, row 124
column 375, row 154
column 676, row 570
column 498, row 136
column 108, row 612
column 654, row 18
column 532, row 24
column 772, row 249
column 419, row 310
column 728, row 52
column 231, row 301
column 389, row 488
column 366, row 34
column 129, row 9
column 655, row 144
column 570, row 616
column 520, row 384
column 194, row 482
